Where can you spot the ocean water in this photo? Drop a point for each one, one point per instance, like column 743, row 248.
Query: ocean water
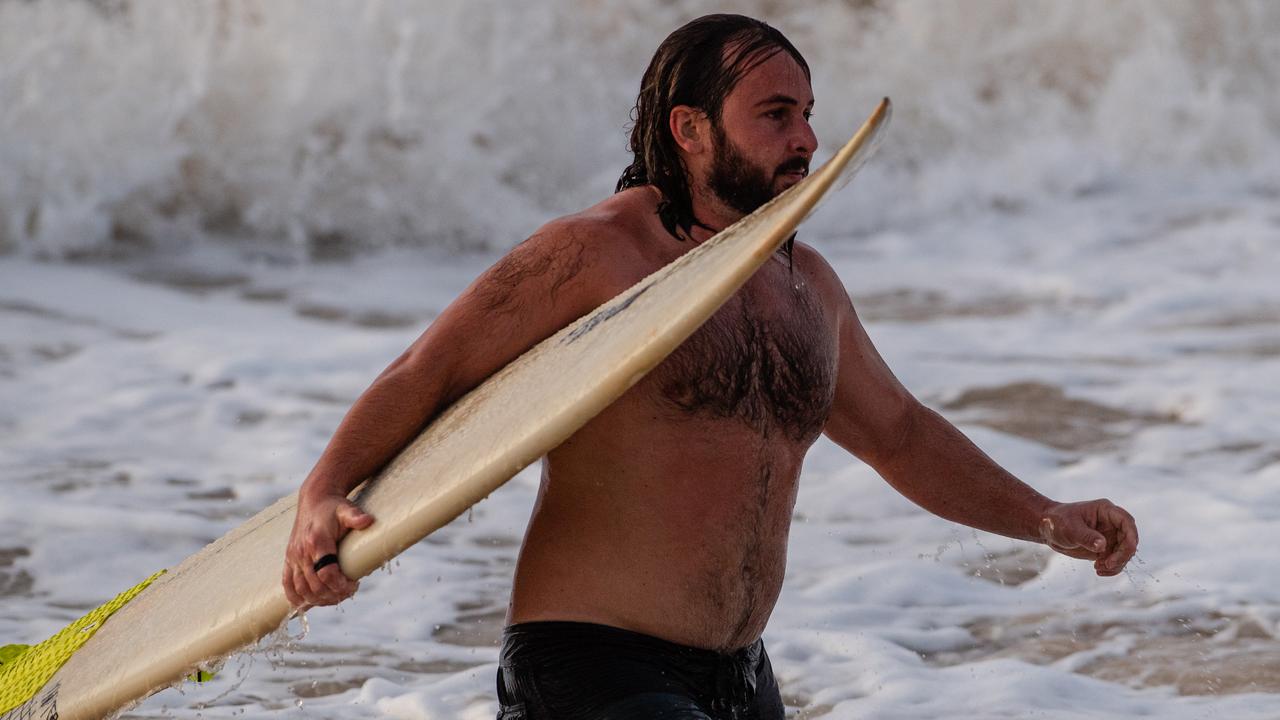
column 219, row 221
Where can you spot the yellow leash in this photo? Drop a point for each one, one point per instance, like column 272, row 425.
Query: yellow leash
column 24, row 669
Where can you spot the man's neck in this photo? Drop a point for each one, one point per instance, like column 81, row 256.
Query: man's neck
column 711, row 212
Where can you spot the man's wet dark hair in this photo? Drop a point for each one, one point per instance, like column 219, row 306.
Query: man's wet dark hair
column 691, row 67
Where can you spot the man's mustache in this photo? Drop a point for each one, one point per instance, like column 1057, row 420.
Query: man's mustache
column 795, row 164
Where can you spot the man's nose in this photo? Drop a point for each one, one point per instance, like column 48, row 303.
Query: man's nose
column 804, row 142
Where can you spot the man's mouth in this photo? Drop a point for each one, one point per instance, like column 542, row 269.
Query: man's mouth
column 794, row 169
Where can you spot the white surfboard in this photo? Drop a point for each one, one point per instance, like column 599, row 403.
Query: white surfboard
column 228, row 595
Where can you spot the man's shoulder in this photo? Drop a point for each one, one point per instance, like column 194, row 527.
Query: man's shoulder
column 601, row 246
column 807, row 259
column 622, row 218
column 614, row 231
column 819, row 273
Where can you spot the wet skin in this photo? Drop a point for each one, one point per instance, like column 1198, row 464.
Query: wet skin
column 669, row 512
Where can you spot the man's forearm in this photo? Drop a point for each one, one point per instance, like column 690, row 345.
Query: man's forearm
column 386, row 418
column 941, row 470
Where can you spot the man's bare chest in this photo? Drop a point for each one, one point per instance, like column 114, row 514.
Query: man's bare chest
column 766, row 359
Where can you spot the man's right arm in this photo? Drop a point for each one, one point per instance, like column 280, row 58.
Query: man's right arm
column 539, row 287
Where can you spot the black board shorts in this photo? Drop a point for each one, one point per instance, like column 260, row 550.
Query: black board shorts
column 583, row 671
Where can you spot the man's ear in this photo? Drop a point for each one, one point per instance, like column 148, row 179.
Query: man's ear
column 691, row 129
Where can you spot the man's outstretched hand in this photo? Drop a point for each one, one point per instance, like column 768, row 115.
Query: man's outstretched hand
column 1096, row 530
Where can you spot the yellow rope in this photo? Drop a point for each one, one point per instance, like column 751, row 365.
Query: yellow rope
column 24, row 670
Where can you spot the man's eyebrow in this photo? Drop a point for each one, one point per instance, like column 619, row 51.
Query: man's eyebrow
column 780, row 99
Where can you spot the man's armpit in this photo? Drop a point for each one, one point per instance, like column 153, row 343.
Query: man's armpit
column 551, row 262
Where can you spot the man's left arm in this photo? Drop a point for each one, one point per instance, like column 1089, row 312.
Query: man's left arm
column 933, row 464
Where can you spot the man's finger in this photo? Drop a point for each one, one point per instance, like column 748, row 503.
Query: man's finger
column 1076, row 534
column 317, row 590
column 329, row 575
column 289, row 592
column 1124, row 521
column 333, row 578
column 306, row 594
column 1127, row 535
column 352, row 517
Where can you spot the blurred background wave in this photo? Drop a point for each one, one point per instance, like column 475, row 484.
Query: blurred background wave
column 319, row 129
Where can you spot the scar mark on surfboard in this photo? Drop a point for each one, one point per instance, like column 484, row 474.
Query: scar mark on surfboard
column 39, row 707
column 602, row 315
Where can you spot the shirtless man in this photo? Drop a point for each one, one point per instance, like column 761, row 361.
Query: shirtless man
column 656, row 549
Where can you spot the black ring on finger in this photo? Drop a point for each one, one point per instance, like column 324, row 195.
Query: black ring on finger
column 325, row 560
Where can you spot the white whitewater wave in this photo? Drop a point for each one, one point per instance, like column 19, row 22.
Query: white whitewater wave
column 311, row 127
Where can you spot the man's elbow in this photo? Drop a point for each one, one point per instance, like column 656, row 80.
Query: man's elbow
column 895, row 441
column 882, row 440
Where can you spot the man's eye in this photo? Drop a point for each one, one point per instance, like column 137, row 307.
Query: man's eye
column 776, row 114
column 808, row 114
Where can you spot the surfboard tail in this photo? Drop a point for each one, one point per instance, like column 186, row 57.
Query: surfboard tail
column 26, row 669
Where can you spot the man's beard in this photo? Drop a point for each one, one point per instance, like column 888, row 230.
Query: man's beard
column 740, row 184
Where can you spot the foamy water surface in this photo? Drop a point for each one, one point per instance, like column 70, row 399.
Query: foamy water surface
column 1120, row 346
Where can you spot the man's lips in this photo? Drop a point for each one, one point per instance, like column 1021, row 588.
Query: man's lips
column 794, row 168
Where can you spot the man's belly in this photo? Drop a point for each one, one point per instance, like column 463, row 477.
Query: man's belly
column 688, row 545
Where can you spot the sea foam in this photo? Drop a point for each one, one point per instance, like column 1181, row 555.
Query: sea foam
column 129, row 126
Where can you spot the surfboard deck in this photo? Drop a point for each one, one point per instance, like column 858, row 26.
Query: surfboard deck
column 228, row 595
